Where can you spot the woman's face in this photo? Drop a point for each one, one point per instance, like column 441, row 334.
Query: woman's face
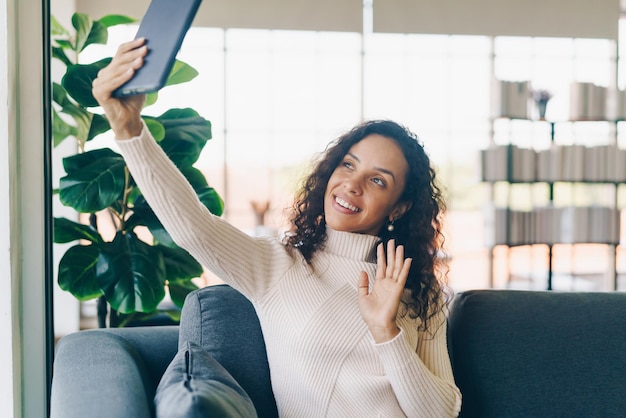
column 364, row 189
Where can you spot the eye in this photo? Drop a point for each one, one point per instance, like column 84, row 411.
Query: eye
column 347, row 164
column 379, row 181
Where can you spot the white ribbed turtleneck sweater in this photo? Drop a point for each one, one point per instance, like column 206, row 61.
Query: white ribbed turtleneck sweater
column 323, row 361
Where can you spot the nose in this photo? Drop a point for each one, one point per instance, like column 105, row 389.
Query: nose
column 353, row 185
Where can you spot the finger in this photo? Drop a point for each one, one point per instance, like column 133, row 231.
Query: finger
column 391, row 251
column 127, row 57
column 130, row 45
column 103, row 87
column 399, row 261
column 121, row 63
column 113, row 76
column 108, row 76
column 364, row 284
column 404, row 273
column 381, row 266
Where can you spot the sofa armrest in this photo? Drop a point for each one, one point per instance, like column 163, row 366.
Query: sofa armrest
column 539, row 353
column 110, row 373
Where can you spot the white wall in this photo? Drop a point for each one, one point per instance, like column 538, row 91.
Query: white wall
column 9, row 359
column 23, row 379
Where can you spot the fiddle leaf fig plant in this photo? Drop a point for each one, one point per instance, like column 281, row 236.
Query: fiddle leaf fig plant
column 130, row 272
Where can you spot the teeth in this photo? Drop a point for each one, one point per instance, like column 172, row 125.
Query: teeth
column 346, row 205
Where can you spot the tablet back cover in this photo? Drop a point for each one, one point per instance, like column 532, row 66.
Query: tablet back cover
column 164, row 26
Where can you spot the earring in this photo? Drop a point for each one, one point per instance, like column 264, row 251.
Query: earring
column 390, row 226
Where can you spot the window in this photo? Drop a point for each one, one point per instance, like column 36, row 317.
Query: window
column 276, row 98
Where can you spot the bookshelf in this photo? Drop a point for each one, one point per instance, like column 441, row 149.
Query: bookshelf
column 549, row 172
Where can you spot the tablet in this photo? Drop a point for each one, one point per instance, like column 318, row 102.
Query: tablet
column 164, row 26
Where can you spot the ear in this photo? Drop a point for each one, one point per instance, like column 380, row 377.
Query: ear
column 399, row 210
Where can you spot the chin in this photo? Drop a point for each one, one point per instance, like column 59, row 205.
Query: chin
column 338, row 226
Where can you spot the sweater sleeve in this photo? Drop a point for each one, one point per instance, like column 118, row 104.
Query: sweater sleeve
column 248, row 264
column 420, row 372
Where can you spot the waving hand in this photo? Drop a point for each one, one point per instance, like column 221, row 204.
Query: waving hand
column 379, row 306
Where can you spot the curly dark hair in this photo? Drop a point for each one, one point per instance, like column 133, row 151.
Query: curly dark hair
column 419, row 229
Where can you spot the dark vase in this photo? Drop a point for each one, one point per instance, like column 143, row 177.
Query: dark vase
column 541, row 108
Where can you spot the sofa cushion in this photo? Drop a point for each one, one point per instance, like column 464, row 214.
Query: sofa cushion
column 92, row 367
column 224, row 323
column 195, row 385
column 539, row 353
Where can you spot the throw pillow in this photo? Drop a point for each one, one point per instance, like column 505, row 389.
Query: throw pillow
column 196, row 385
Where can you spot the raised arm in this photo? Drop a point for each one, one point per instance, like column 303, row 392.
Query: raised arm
column 246, row 263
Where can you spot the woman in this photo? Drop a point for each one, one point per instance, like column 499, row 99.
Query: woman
column 352, row 327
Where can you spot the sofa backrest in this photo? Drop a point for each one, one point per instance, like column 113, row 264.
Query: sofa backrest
column 539, row 353
column 224, row 323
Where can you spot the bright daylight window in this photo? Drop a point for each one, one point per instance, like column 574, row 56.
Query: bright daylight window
column 275, row 98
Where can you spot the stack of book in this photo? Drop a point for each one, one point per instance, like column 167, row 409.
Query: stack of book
column 567, row 163
column 554, row 225
column 588, row 101
column 620, row 112
column 511, row 99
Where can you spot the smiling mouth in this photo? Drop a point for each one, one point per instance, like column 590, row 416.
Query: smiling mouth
column 346, row 205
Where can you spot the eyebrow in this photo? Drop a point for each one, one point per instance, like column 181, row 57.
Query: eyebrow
column 382, row 170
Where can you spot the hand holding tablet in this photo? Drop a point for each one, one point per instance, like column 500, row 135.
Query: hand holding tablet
column 164, row 27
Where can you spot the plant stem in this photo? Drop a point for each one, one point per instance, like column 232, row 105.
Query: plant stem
column 102, row 312
column 126, row 320
column 127, row 191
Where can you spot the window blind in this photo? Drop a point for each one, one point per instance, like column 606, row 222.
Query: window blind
column 322, row 15
column 551, row 18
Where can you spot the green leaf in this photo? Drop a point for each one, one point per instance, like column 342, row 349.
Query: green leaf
column 88, row 31
column 56, row 28
column 207, row 195
column 77, row 162
column 60, row 129
column 155, row 127
column 99, row 124
column 59, row 95
column 67, row 231
column 181, row 73
column 59, row 53
column 144, row 215
column 186, row 134
column 195, row 177
column 64, row 44
column 83, row 24
column 180, row 290
column 179, row 264
column 151, row 98
column 77, row 272
column 82, row 117
column 113, row 20
column 98, row 35
column 209, row 198
column 131, row 274
column 78, row 80
column 94, row 180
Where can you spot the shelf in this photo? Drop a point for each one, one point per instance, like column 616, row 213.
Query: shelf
column 556, row 122
column 555, row 165
column 548, row 182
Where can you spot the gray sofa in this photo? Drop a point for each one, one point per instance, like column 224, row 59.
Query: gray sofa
column 514, row 354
